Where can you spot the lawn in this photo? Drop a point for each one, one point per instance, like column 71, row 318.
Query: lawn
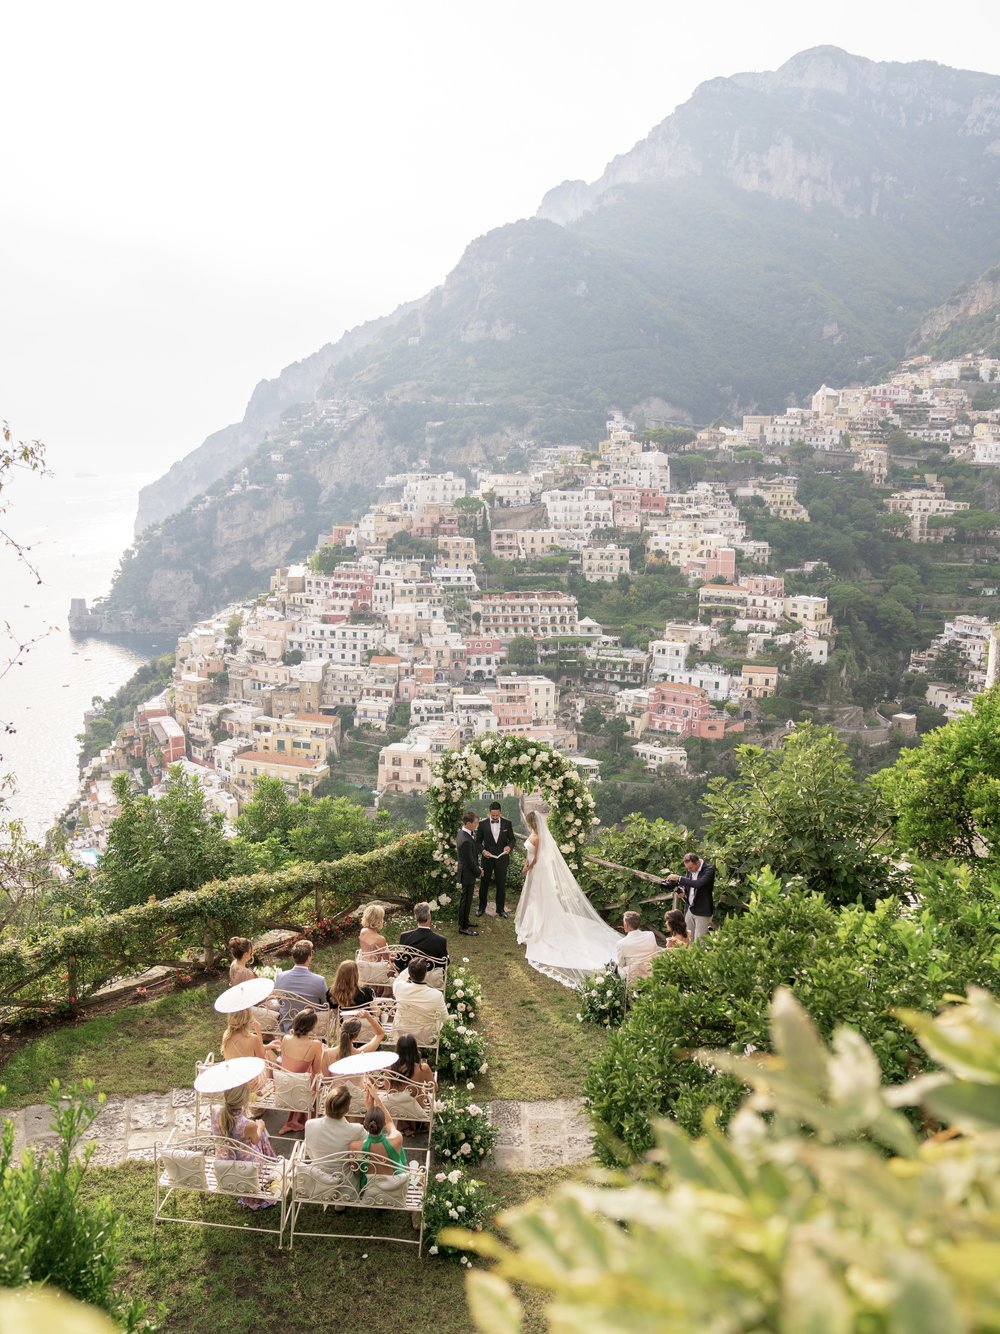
column 537, row 1049
column 219, row 1282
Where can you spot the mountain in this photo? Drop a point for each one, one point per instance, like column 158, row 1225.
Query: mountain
column 969, row 321
column 778, row 230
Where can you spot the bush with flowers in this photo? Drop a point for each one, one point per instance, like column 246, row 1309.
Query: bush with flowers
column 464, row 993
column 463, row 1130
column 602, row 999
column 455, row 1199
column 462, row 1052
column 492, row 763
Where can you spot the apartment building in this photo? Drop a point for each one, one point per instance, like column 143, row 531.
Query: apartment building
column 296, row 774
column 758, row 682
column 348, row 643
column 589, row 508
column 922, row 503
column 656, row 757
column 456, row 553
column 408, row 765
column 532, row 543
column 604, row 564
column 537, row 697
column 539, row 615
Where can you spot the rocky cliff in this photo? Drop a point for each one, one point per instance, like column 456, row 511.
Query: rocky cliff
column 969, row 321
column 778, row 230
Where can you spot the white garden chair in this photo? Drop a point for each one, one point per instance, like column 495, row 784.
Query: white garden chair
column 187, row 1166
column 437, row 969
column 335, row 1180
column 374, row 969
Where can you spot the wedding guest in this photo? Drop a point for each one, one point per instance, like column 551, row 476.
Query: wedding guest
column 301, row 1054
column 697, row 883
column 243, row 1038
column 347, row 993
column 421, row 1009
column 423, row 938
column 231, row 1122
column 383, row 1159
column 241, row 952
column 350, row 1031
column 636, row 946
column 411, row 1067
column 300, row 980
column 677, row 932
column 330, row 1133
column 376, row 966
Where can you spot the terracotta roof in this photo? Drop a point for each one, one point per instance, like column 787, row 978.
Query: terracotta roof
column 279, row 757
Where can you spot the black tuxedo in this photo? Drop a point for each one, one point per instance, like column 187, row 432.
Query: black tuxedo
column 468, row 873
column 425, row 940
column 495, row 867
column 699, row 890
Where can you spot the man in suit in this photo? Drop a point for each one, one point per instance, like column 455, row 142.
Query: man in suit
column 495, row 837
column 468, row 870
column 300, row 980
column 422, row 938
column 697, row 883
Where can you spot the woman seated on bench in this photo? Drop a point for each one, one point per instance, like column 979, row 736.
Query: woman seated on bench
column 231, row 1122
column 410, row 1066
column 383, row 1159
column 242, row 1038
column 349, row 1032
column 347, row 993
column 300, row 1055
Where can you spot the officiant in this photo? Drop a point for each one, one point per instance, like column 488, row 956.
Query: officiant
column 495, row 837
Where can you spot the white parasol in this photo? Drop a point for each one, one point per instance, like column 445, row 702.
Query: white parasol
column 244, row 995
column 223, row 1075
column 363, row 1062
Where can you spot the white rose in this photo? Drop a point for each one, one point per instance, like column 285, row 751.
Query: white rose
column 454, row 1176
column 466, row 1149
column 433, row 1251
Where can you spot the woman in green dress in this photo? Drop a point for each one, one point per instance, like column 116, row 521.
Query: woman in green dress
column 382, row 1159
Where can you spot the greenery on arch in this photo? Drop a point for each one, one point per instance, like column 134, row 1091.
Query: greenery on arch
column 492, row 763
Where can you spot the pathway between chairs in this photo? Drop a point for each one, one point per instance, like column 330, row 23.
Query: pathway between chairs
column 531, row 1135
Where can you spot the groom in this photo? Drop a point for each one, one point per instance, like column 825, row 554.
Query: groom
column 468, row 870
column 495, row 837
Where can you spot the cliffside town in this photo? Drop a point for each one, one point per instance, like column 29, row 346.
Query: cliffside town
column 448, row 608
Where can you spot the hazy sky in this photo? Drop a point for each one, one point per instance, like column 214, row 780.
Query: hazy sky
column 195, row 195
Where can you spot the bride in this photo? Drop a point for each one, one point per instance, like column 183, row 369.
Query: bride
column 564, row 936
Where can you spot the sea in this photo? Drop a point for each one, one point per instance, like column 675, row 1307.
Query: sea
column 76, row 524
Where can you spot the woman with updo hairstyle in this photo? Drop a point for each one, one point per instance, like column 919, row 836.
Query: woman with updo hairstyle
column 241, row 953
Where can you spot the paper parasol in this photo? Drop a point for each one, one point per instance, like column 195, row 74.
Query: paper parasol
column 223, row 1075
column 244, row 994
column 363, row 1062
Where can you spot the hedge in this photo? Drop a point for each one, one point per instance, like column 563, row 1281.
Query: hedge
column 70, row 962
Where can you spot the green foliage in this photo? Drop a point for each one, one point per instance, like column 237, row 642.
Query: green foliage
column 47, row 1233
column 327, row 558
column 945, row 794
column 156, row 848
column 799, row 810
column 844, row 965
column 603, row 998
column 522, row 652
column 462, row 1052
column 654, row 846
column 463, row 993
column 308, row 829
column 819, row 1211
column 453, row 1199
column 86, row 954
column 463, row 1130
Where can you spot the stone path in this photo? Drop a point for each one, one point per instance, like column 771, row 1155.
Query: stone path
column 531, row 1135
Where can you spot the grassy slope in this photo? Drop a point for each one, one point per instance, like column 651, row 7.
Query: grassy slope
column 537, row 1048
column 219, row 1282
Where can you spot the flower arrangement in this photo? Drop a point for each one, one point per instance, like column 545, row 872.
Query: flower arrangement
column 463, row 993
column 463, row 1130
column 454, row 1199
column 266, row 970
column 462, row 1052
column 602, row 999
column 492, row 763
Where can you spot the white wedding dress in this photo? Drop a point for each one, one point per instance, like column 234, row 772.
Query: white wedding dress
column 563, row 934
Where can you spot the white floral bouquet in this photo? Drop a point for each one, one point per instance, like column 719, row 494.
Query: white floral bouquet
column 454, row 1199
column 462, row 1052
column 602, row 999
column 266, row 970
column 464, row 994
column 463, row 1130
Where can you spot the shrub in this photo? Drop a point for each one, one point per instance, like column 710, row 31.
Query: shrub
column 455, row 1199
column 464, row 993
column 462, row 1130
column 654, row 846
column 462, row 1052
column 47, row 1234
column 844, row 966
column 822, row 1212
column 602, row 999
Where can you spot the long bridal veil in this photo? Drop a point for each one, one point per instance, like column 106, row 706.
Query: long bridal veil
column 564, row 936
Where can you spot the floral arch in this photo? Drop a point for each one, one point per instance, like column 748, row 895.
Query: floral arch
column 492, row 763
